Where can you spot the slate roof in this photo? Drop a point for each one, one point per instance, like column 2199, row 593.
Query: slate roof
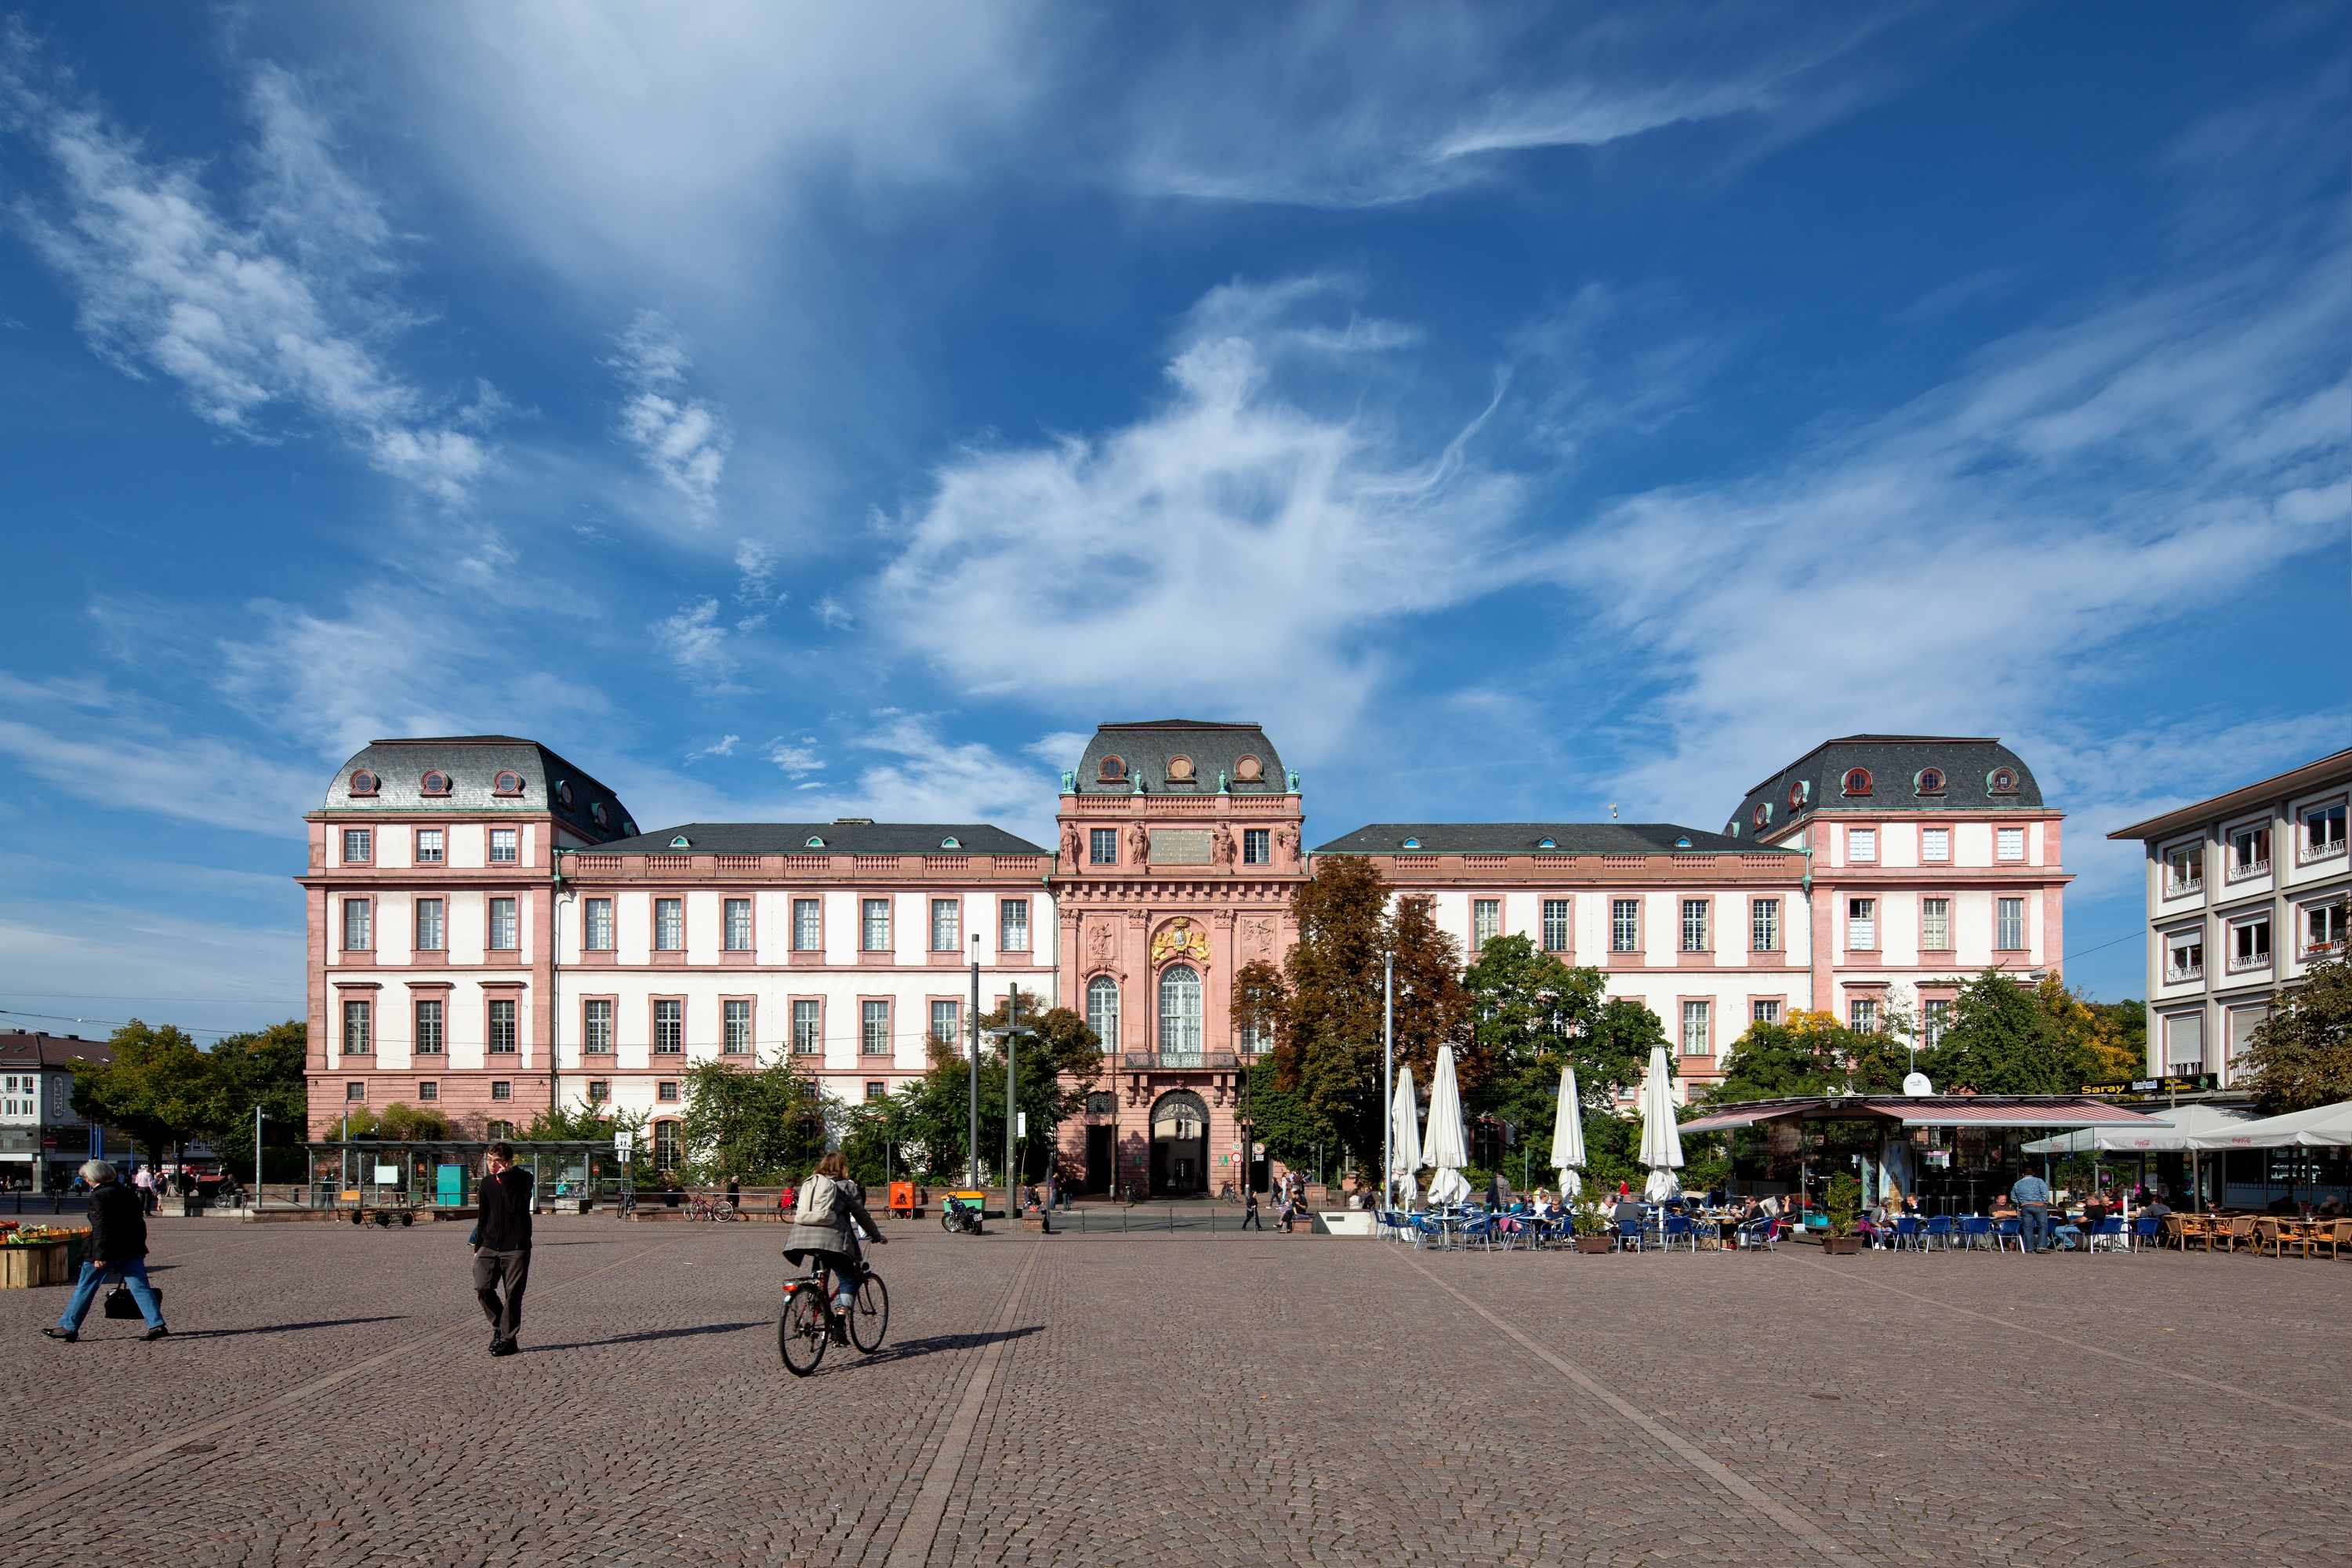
column 1213, row 748
column 21, row 1048
column 473, row 763
column 1895, row 763
column 840, row 837
column 1521, row 838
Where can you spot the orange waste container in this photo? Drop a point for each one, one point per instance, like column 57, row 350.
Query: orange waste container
column 902, row 1197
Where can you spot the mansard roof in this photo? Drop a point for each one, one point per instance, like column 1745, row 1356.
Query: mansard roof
column 1144, row 751
column 1895, row 764
column 472, row 764
column 1527, row 838
column 839, row 837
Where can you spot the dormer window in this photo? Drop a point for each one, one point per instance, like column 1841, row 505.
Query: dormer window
column 629, row 827
column 363, row 781
column 1114, row 771
column 1547, row 844
column 1731, row 828
column 1180, row 770
column 435, row 782
column 1413, row 843
column 1928, row 781
column 1799, row 793
column 680, row 841
column 951, row 842
column 1857, row 781
column 2001, row 781
column 1249, row 770
column 599, row 815
column 1761, row 814
column 1682, row 841
column 508, row 783
column 563, row 791
column 813, row 842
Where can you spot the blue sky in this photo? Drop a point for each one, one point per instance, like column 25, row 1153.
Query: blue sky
column 790, row 413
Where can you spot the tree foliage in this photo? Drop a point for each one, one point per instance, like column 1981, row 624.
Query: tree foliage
column 759, row 1124
column 2096, row 1036
column 267, row 1068
column 926, row 1124
column 158, row 1088
column 2003, row 1040
column 2301, row 1056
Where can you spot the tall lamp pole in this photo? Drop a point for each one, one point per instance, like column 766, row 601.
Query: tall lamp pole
column 1011, row 1117
column 1388, row 1068
column 972, row 1143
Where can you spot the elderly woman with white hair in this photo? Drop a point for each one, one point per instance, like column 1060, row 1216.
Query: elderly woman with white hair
column 118, row 1250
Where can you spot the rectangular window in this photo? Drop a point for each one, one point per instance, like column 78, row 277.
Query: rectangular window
column 1485, row 921
column 354, row 1091
column 2184, row 868
column 2009, row 914
column 736, row 1027
column 1555, row 925
column 1935, row 1017
column 1936, row 924
column 2323, row 927
column 503, row 845
column 670, row 1027
column 1012, row 925
column 874, row 1028
column 428, row 1028
column 2184, row 955
column 1934, row 845
column 502, row 1089
column 2184, row 1042
column 739, row 925
column 502, row 1027
column 428, row 1089
column 503, row 933
column 599, row 938
column 1624, row 925
column 359, row 1033
column 2009, row 844
column 1862, row 844
column 877, row 1090
column 2249, row 943
column 431, row 930
column 2250, row 850
column 359, row 926
column 359, row 846
column 807, row 1040
column 1764, row 925
column 875, row 925
column 1695, row 1042
column 669, row 924
column 943, row 1022
column 1257, row 846
column 600, row 1090
column 2323, row 830
column 1862, row 1015
column 1102, row 846
column 1862, row 924
column 430, row 851
column 947, row 924
column 2243, row 1022
column 596, row 1027
column 665, row 1137
column 1767, row 1011
column 1695, row 925
column 808, row 925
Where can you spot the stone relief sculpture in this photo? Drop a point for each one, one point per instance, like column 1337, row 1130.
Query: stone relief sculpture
column 1257, row 936
column 1102, row 946
column 1286, row 842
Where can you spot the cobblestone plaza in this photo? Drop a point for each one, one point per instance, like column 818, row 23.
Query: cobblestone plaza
column 326, row 1398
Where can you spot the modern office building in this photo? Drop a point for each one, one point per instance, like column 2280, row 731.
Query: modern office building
column 2245, row 893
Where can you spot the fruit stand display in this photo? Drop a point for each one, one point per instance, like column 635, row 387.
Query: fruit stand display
column 34, row 1254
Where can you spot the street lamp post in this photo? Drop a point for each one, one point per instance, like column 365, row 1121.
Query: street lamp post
column 1388, row 1069
column 1011, row 1117
column 972, row 1143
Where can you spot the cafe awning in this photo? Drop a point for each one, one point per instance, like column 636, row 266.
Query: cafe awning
column 1986, row 1110
column 2172, row 1131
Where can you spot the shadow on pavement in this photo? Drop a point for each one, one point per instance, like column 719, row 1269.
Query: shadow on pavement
column 282, row 1328
column 649, row 1334
column 906, row 1348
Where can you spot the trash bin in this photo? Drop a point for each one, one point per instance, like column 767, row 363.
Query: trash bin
column 192, row 1204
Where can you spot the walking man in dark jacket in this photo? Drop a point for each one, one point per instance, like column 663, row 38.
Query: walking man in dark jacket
column 118, row 1250
column 502, row 1246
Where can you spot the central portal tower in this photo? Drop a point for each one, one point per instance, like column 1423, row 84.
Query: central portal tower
column 1179, row 849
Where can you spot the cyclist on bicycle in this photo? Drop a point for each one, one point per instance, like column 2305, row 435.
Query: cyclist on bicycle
column 824, row 1227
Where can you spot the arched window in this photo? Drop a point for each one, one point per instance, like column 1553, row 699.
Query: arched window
column 1180, row 1008
column 681, row 841
column 951, row 842
column 1857, row 781
column 508, row 782
column 1413, row 843
column 434, row 783
column 664, row 1145
column 363, row 781
column 812, row 842
column 2001, row 781
column 1762, row 814
column 1929, row 781
column 1102, row 1010
column 1800, row 793
column 1682, row 841
column 1547, row 844
column 1114, row 771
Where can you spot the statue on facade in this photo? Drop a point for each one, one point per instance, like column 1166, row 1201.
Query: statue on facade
column 1294, row 779
column 1071, row 845
column 1223, row 847
column 1069, row 782
column 1287, row 841
column 1139, row 844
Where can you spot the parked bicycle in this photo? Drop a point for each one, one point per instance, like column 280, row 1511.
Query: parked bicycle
column 702, row 1205
column 810, row 1321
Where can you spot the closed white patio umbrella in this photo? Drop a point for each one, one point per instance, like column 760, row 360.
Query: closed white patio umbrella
column 1444, row 1144
column 1404, row 1140
column 2321, row 1127
column 1568, row 1135
column 1662, row 1139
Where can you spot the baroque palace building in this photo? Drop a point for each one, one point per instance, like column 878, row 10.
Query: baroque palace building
column 490, row 932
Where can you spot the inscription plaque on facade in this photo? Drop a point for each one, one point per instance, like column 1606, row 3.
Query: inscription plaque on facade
column 1182, row 846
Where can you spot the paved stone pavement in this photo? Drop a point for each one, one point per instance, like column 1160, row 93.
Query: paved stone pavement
column 326, row 1398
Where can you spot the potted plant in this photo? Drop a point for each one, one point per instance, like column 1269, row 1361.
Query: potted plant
column 1592, row 1230
column 1843, row 1204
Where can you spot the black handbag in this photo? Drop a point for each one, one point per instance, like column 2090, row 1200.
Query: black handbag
column 120, row 1303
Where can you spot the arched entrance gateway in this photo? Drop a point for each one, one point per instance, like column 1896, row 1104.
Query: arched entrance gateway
column 1180, row 1145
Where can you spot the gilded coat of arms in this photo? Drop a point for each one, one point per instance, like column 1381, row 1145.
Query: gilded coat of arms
column 1179, row 939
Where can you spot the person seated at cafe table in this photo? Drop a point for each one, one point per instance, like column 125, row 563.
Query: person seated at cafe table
column 2332, row 1209
column 2002, row 1208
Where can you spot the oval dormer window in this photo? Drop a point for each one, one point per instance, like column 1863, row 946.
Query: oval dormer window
column 813, row 842
column 508, row 782
column 363, row 781
column 1413, row 843
column 1929, row 781
column 597, row 811
column 1180, row 770
column 2001, row 781
column 1762, row 814
column 1249, row 770
column 680, row 841
column 1547, row 844
column 434, row 783
column 1857, row 781
column 1800, row 793
column 1731, row 828
column 951, row 842
column 563, row 791
column 1113, row 771
column 629, row 827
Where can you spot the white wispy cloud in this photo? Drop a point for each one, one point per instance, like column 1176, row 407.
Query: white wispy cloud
column 798, row 759
column 1060, row 750
column 722, row 747
column 683, row 439
column 698, row 643
column 756, row 560
column 267, row 304
column 832, row 614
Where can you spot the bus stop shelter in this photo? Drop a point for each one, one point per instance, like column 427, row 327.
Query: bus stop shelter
column 442, row 1172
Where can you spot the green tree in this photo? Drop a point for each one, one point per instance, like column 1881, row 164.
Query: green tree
column 2093, row 1036
column 2301, row 1056
column 158, row 1088
column 759, row 1124
column 2002, row 1040
column 928, row 1122
column 268, row 1067
column 1279, row 1117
